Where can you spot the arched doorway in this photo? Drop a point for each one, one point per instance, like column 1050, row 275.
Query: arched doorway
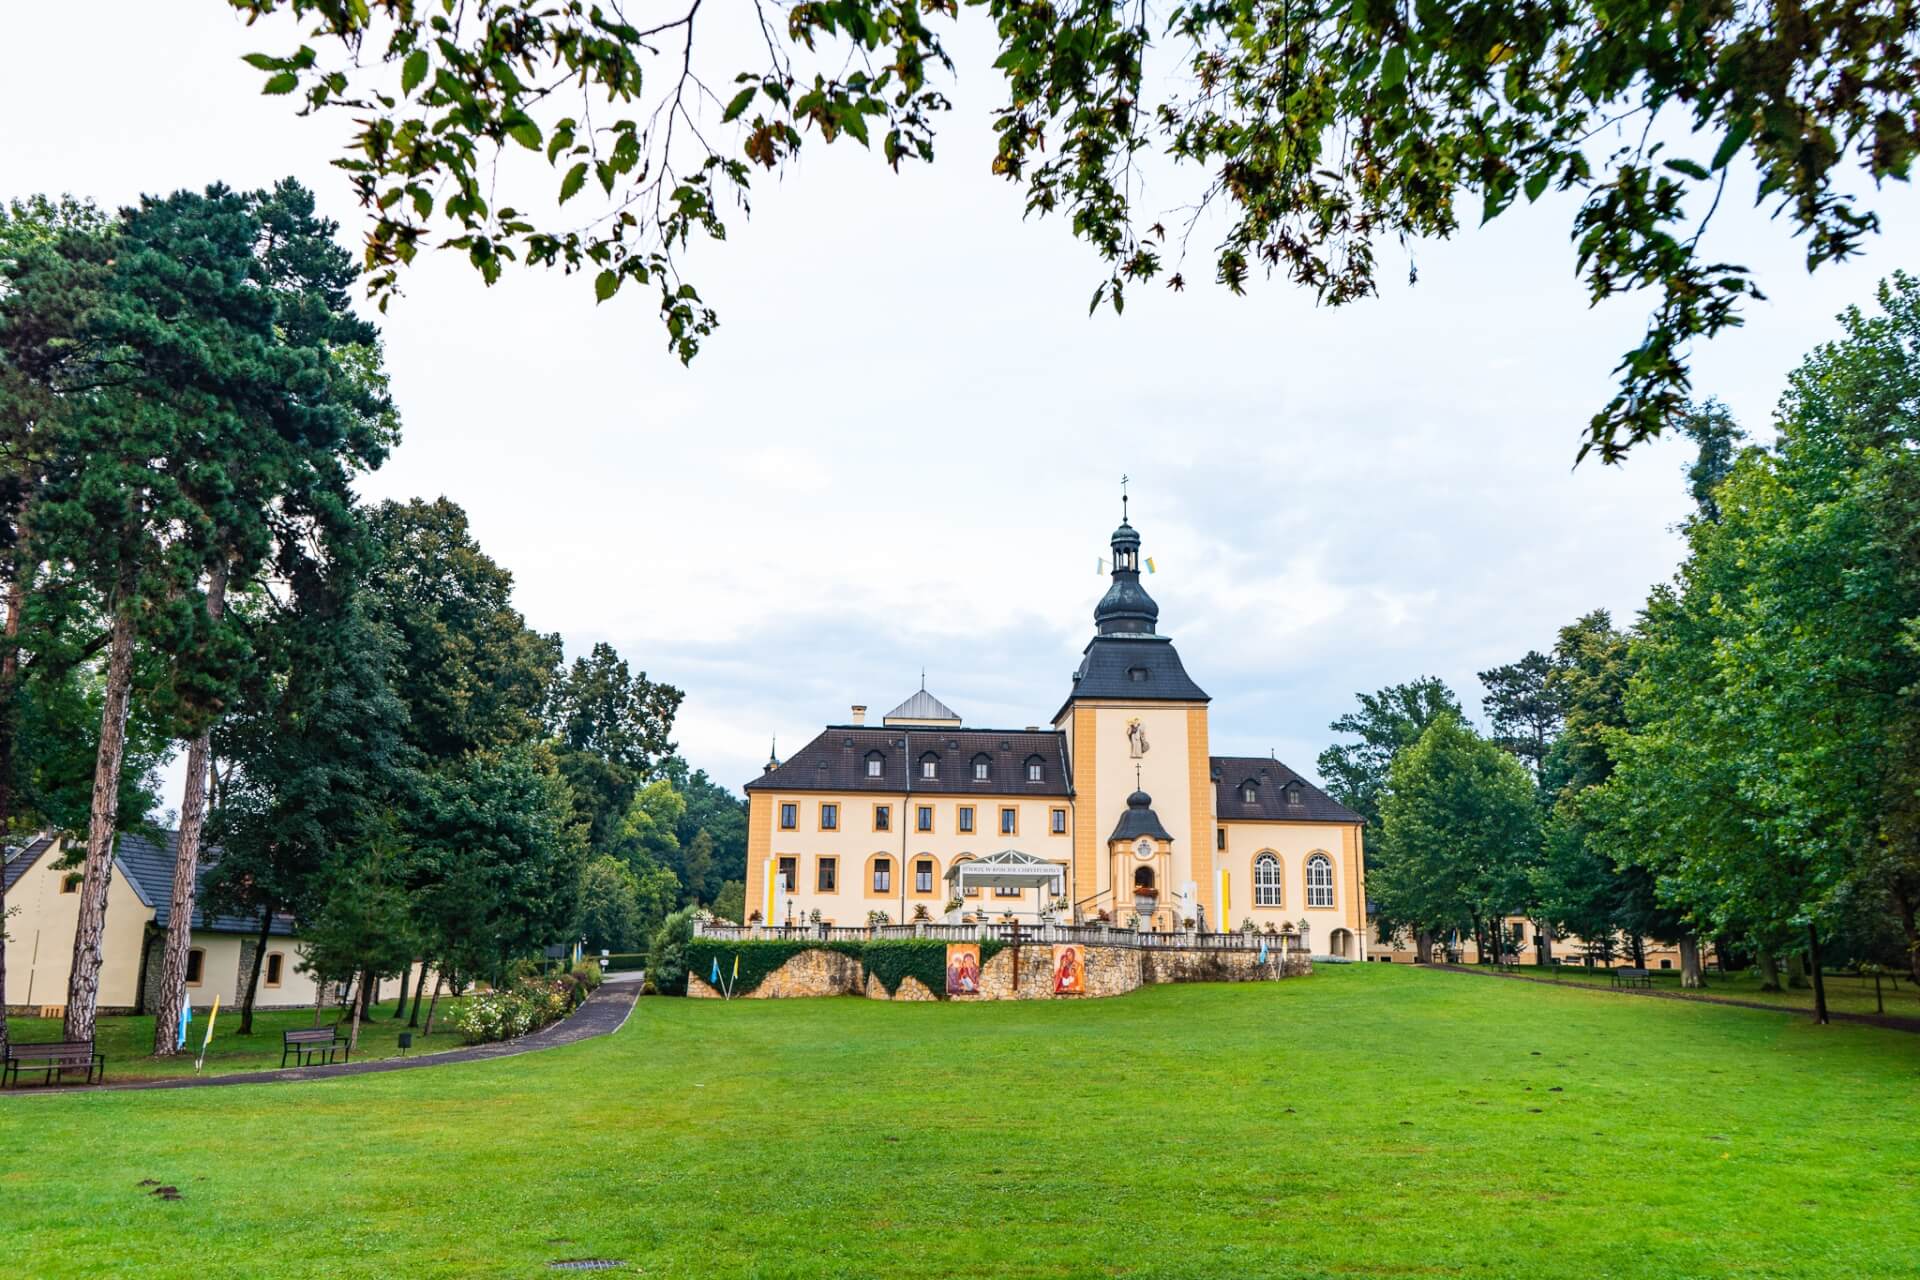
column 1340, row 943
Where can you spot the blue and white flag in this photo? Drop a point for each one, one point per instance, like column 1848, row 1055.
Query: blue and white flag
column 1263, row 951
column 715, row 977
column 186, row 1016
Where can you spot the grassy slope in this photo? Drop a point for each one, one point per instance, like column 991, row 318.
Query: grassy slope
column 1370, row 1120
column 127, row 1042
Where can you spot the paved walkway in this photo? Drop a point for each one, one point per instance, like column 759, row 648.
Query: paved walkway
column 604, row 1013
column 1887, row 1020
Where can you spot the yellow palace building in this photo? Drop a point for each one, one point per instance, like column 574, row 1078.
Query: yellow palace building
column 1117, row 810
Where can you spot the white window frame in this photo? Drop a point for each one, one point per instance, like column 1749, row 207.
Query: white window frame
column 1268, row 885
column 1319, row 889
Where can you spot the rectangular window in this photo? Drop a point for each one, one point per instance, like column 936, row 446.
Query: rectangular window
column 883, row 817
column 829, row 817
column 1059, row 822
column 789, row 875
column 1036, row 772
column 1004, row 891
column 1009, row 822
column 274, row 962
column 923, row 818
column 979, row 770
column 873, row 766
column 929, row 768
column 966, row 819
column 883, row 875
column 196, row 961
column 1220, row 838
column 789, row 816
column 923, row 876
column 827, row 875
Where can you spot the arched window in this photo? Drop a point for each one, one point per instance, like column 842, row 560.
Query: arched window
column 1036, row 769
column 930, row 765
column 1266, row 881
column 876, row 763
column 1319, row 881
column 982, row 767
column 966, row 857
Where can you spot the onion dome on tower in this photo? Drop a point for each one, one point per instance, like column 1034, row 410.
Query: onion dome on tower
column 1126, row 609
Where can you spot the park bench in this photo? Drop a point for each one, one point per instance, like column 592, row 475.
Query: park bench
column 55, row 1058
column 311, row 1044
column 1632, row 978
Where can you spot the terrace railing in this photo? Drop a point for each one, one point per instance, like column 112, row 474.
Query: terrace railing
column 1094, row 935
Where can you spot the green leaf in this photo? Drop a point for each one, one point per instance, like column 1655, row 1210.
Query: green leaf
column 413, row 71
column 1393, row 68
column 285, row 82
column 1537, row 183
column 605, row 285
column 739, row 104
column 571, row 184
column 526, row 133
column 264, row 61
column 1687, row 167
column 1730, row 145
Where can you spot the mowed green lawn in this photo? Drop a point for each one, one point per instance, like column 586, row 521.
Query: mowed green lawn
column 127, row 1041
column 1846, row 993
column 1370, row 1120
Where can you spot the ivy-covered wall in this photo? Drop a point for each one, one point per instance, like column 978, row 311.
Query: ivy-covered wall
column 887, row 959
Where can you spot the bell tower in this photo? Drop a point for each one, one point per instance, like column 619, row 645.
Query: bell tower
column 1136, row 723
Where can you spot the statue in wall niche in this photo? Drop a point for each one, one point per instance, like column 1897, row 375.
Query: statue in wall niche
column 1136, row 739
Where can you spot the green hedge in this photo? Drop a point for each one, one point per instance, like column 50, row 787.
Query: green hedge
column 624, row 961
column 888, row 959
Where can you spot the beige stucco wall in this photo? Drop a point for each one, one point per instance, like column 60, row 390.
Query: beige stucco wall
column 856, row 844
column 1293, row 843
column 40, row 950
column 1175, row 740
column 40, row 938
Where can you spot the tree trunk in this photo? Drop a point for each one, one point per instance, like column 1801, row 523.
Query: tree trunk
column 83, row 981
column 253, row 978
column 9, row 672
column 1690, row 971
column 1769, row 968
column 419, row 990
column 353, row 1036
column 1543, row 939
column 1819, row 978
column 400, row 1009
column 186, row 866
column 434, row 1003
column 1797, row 970
column 1639, row 952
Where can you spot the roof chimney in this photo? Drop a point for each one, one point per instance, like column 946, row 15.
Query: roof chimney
column 859, row 713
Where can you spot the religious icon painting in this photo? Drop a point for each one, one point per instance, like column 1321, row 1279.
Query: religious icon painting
column 963, row 968
column 1069, row 970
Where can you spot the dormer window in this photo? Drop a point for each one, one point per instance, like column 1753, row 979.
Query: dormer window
column 1293, row 795
column 1250, row 792
column 1138, row 675
column 930, row 765
column 1036, row 769
column 982, row 767
column 876, row 763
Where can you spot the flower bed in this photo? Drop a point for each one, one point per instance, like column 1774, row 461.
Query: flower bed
column 525, row 1007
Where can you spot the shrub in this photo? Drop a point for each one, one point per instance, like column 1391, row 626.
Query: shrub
column 667, row 957
column 514, row 1011
column 588, row 974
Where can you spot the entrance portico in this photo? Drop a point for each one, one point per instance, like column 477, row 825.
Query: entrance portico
column 1010, row 869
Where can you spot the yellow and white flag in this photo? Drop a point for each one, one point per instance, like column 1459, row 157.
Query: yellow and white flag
column 1225, row 896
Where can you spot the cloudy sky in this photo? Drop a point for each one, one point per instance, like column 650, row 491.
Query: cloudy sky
column 903, row 447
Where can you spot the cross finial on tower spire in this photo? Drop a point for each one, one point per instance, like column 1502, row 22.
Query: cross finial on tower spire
column 1123, row 498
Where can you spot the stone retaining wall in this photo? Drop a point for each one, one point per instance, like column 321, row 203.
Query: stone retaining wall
column 1110, row 971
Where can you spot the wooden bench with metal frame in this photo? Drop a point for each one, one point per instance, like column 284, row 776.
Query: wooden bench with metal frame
column 1632, row 978
column 55, row 1058
column 305, row 1046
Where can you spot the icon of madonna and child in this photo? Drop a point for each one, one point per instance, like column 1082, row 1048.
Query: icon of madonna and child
column 963, row 970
